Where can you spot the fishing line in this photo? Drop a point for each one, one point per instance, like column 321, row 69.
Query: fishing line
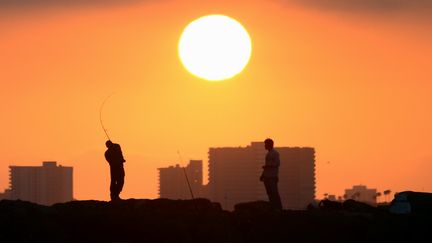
column 100, row 116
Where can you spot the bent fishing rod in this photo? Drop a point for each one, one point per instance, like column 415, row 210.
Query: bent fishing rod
column 100, row 116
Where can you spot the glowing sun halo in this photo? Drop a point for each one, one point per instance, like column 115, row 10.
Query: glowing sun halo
column 215, row 47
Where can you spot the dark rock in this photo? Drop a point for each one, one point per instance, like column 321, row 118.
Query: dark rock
column 360, row 207
column 417, row 202
column 257, row 207
column 163, row 220
column 330, row 205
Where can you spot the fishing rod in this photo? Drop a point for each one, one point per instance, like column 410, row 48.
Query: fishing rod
column 186, row 176
column 100, row 116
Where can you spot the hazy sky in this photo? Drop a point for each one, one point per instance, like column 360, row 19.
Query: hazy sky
column 351, row 78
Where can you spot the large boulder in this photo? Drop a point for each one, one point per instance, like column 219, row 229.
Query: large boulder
column 330, row 205
column 411, row 202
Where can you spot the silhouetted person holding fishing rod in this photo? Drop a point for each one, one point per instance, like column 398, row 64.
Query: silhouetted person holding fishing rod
column 114, row 156
column 270, row 174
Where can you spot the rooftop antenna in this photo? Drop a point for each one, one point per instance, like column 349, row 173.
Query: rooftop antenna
column 187, row 179
column 100, row 115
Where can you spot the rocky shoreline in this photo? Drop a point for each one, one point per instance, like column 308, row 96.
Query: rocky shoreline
column 199, row 220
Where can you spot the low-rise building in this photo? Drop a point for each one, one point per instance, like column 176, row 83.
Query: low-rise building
column 362, row 194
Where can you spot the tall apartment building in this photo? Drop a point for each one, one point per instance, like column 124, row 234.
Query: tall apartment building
column 46, row 184
column 234, row 174
column 362, row 194
column 173, row 183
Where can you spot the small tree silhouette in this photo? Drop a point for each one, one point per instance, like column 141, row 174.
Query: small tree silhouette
column 356, row 196
column 345, row 196
column 386, row 193
column 376, row 197
column 325, row 195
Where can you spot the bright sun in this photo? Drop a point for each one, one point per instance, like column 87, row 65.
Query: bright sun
column 215, row 47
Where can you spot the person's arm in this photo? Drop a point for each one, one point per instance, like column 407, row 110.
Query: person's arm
column 106, row 155
column 121, row 154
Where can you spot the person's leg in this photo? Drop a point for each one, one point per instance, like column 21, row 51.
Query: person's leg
column 273, row 193
column 266, row 186
column 113, row 185
column 120, row 182
column 277, row 203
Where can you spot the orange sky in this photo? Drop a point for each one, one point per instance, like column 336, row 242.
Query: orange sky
column 354, row 84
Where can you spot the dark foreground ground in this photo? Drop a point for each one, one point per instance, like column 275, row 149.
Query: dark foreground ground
column 201, row 221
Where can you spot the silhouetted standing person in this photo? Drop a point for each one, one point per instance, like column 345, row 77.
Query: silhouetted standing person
column 114, row 156
column 270, row 174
